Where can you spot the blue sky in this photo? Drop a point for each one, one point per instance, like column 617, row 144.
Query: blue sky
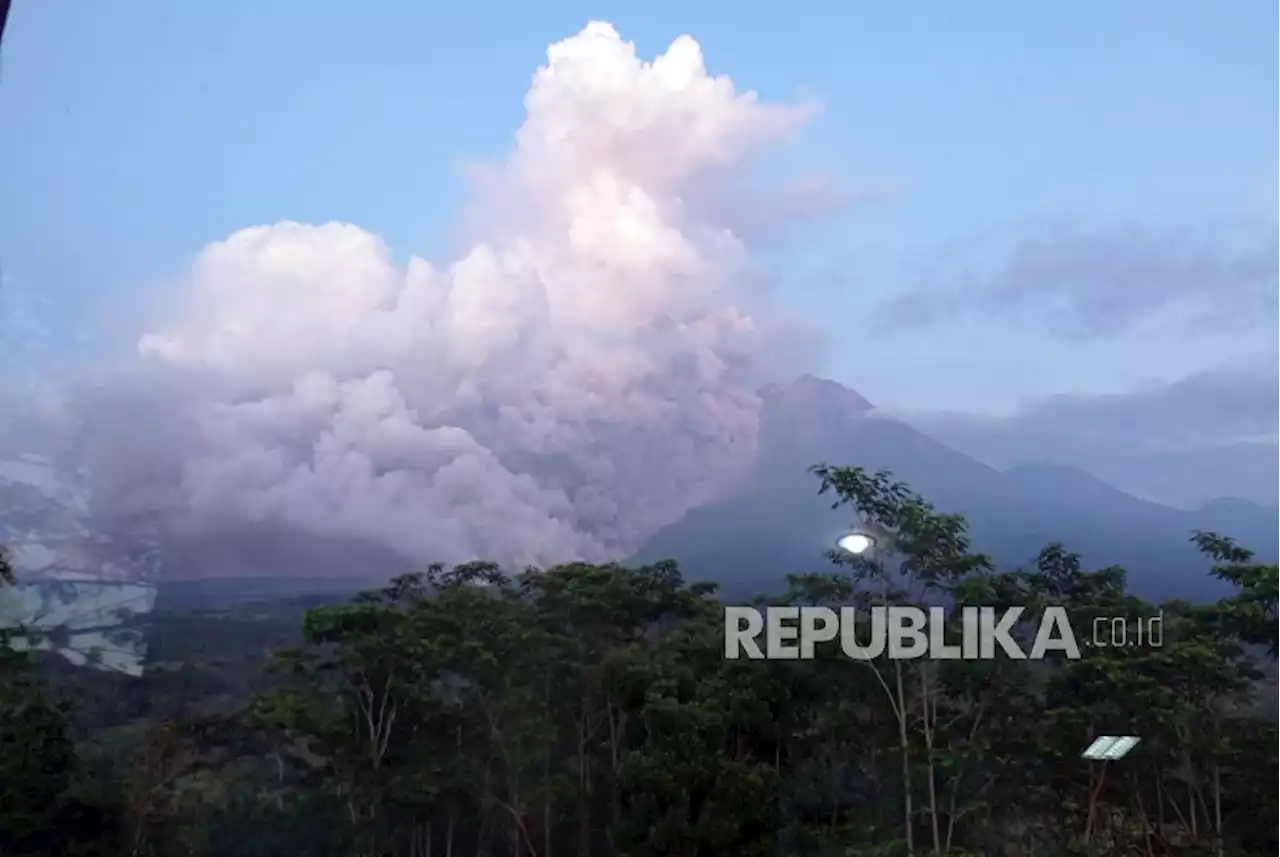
column 135, row 133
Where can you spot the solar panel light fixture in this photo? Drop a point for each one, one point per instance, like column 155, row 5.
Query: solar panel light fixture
column 1109, row 748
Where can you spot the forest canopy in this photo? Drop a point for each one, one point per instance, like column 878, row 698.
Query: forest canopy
column 588, row 710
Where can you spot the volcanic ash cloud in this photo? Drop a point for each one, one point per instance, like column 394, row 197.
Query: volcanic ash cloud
column 581, row 377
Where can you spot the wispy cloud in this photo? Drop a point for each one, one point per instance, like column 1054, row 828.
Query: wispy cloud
column 1097, row 282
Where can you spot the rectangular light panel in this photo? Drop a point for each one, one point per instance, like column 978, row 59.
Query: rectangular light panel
column 1108, row 748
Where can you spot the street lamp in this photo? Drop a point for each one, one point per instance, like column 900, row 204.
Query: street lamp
column 856, row 543
column 865, row 538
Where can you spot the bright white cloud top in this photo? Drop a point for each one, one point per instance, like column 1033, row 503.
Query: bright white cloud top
column 583, row 375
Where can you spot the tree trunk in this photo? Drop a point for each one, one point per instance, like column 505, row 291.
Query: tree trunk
column 908, row 808
column 547, row 814
column 1147, row 848
column 1191, row 794
column 929, row 768
column 617, row 721
column 1160, row 820
column 584, row 788
column 1217, row 809
column 514, row 792
column 1094, row 793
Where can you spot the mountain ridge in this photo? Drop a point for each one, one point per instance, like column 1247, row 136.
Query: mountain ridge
column 1012, row 513
column 774, row 522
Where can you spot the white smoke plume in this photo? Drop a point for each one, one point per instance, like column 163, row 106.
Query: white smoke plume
column 582, row 376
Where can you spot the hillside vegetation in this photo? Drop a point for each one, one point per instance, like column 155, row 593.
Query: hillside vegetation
column 589, row 711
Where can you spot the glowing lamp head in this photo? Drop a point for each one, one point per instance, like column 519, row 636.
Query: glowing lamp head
column 855, row 543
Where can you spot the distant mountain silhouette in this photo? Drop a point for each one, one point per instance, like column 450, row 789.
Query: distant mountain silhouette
column 771, row 524
column 775, row 523
column 1185, row 477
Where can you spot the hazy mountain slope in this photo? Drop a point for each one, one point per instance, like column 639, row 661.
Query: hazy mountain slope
column 1243, row 469
column 776, row 523
column 1185, row 477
